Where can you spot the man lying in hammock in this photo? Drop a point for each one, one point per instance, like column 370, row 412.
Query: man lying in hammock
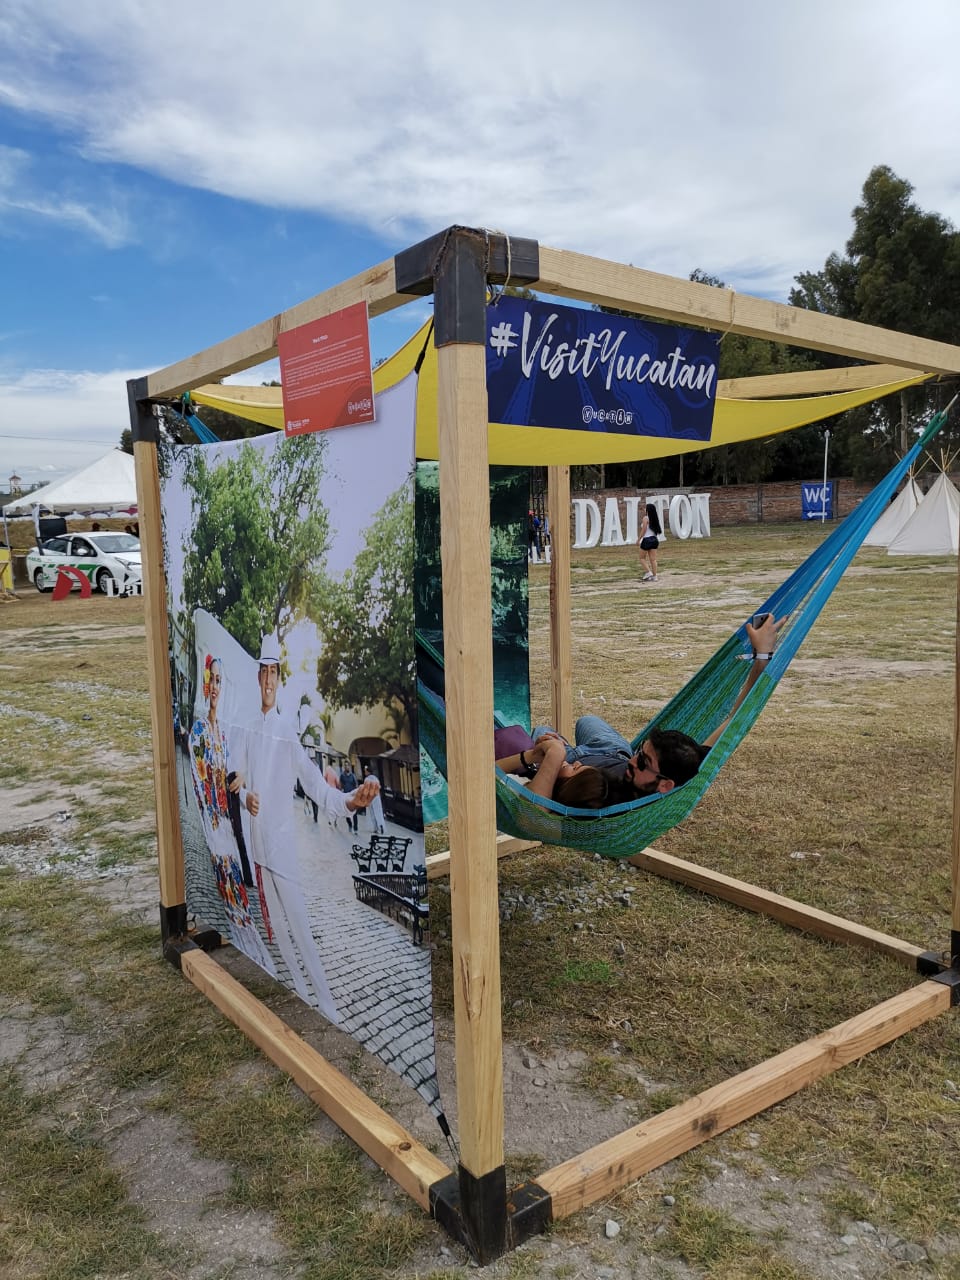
column 665, row 759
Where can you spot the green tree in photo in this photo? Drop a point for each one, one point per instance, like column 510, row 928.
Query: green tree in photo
column 260, row 536
column 365, row 620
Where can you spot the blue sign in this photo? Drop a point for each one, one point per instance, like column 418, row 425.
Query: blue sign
column 584, row 370
column 817, row 499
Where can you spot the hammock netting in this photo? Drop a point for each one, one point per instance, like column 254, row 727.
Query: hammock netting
column 698, row 708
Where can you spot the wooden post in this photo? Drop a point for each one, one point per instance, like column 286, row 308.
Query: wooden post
column 561, row 667
column 460, row 291
column 173, row 912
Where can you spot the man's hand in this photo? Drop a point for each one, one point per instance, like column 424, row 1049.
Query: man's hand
column 363, row 795
column 550, row 733
column 235, row 783
column 253, row 803
column 764, row 637
column 549, row 745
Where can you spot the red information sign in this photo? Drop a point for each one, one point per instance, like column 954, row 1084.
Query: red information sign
column 325, row 372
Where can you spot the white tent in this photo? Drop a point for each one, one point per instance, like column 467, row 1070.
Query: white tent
column 895, row 516
column 934, row 528
column 108, row 484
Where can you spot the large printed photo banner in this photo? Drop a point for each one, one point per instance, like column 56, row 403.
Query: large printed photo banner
column 289, row 566
column 569, row 368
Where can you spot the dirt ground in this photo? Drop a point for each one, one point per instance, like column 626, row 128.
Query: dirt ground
column 183, row 1198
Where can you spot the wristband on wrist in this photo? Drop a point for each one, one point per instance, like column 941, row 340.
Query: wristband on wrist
column 529, row 769
column 761, row 657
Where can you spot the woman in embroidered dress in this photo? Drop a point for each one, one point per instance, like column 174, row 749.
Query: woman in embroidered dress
column 210, row 765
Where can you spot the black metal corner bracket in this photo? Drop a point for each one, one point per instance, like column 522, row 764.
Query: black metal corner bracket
column 950, row 978
column 173, row 921
column 479, row 1214
column 932, row 962
column 144, row 427
column 174, row 948
column 456, row 265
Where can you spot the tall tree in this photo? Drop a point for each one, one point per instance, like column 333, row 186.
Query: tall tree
column 901, row 271
column 261, row 534
column 366, row 619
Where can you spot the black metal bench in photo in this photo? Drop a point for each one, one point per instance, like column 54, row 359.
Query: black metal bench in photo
column 383, row 853
column 401, row 897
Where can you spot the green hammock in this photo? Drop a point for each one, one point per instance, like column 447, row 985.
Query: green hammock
column 697, row 709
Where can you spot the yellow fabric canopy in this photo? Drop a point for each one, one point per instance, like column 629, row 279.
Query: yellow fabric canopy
column 734, row 421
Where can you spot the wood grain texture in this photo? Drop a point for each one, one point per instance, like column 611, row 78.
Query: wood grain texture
column 259, row 343
column 561, row 658
column 169, row 838
column 574, row 275
column 411, row 1165
column 811, row 382
column 609, row 1166
column 787, row 910
column 468, row 663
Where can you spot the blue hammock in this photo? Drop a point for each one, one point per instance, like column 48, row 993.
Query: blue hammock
column 701, row 705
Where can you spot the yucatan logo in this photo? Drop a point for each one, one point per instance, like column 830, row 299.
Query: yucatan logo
column 581, row 370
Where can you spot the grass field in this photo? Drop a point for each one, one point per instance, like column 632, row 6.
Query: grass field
column 841, row 797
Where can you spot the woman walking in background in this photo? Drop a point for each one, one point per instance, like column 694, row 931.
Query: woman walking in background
column 650, row 531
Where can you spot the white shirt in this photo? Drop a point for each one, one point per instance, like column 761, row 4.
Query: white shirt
column 272, row 759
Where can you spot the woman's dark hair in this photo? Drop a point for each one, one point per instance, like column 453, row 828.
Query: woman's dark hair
column 655, row 525
column 586, row 789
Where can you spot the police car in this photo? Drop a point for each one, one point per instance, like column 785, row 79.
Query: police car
column 110, row 560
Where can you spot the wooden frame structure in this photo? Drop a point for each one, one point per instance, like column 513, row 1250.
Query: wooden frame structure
column 457, row 266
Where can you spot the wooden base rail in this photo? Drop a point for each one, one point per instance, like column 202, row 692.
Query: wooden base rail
column 787, row 911
column 411, row 1165
column 611, row 1165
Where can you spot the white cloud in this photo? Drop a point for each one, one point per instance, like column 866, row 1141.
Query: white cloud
column 62, row 417
column 735, row 138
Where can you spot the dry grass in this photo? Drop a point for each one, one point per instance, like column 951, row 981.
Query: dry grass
column 840, row 797
column 666, row 991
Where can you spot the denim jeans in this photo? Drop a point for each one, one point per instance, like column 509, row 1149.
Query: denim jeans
column 593, row 737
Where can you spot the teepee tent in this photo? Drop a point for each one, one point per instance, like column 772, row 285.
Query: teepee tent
column 896, row 515
column 934, row 528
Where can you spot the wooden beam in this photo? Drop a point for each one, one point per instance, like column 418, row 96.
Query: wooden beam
column 613, row 1164
column 166, row 789
column 811, row 382
column 438, row 864
column 259, row 343
column 574, row 275
column 561, row 662
column 468, row 661
column 409, row 1164
column 786, row 910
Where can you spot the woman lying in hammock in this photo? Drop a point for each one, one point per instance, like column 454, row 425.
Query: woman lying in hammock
column 602, row 769
column 544, row 762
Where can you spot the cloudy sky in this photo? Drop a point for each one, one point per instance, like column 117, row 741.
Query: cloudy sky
column 173, row 171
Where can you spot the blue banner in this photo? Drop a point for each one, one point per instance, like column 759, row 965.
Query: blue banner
column 817, row 499
column 584, row 370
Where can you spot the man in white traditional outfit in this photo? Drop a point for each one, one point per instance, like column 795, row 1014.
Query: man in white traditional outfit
column 272, row 760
